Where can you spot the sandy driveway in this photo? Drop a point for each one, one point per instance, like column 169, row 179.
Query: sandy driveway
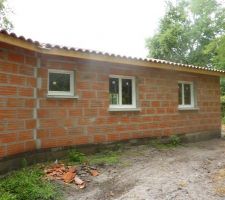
column 192, row 171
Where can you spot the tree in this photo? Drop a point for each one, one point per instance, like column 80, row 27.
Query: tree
column 186, row 30
column 4, row 11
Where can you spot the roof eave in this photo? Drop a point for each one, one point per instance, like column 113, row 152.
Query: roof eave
column 103, row 57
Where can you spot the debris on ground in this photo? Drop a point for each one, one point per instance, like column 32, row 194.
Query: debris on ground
column 70, row 174
column 94, row 172
column 219, row 178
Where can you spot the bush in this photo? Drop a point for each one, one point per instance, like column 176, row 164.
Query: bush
column 222, row 100
column 27, row 184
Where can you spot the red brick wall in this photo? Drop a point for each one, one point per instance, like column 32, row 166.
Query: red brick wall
column 64, row 122
column 17, row 102
column 87, row 119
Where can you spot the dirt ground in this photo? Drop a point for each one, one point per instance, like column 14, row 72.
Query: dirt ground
column 191, row 171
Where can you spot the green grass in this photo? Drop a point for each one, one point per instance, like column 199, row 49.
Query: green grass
column 27, row 184
column 107, row 157
column 173, row 141
column 75, row 156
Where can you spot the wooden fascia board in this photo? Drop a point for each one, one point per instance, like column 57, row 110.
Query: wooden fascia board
column 99, row 57
column 18, row 42
column 111, row 59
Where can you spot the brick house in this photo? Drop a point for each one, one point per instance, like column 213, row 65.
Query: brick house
column 53, row 96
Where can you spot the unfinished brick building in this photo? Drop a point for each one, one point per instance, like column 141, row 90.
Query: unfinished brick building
column 53, row 96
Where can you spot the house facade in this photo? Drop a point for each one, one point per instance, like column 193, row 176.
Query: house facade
column 53, row 96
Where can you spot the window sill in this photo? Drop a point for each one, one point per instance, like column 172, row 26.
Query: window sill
column 188, row 108
column 61, row 97
column 124, row 109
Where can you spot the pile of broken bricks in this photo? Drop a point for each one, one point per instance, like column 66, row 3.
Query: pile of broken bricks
column 69, row 174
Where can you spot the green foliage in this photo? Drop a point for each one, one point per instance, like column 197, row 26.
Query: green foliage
column 173, row 141
column 186, row 31
column 76, row 156
column 222, row 100
column 106, row 157
column 216, row 48
column 27, row 184
column 4, row 12
column 223, row 120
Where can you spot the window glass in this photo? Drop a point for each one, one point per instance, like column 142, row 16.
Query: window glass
column 180, row 93
column 114, row 91
column 59, row 82
column 126, row 91
column 187, row 94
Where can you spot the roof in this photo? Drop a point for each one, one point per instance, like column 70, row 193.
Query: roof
column 50, row 49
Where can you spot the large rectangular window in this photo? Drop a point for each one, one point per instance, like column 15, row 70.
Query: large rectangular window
column 122, row 92
column 185, row 94
column 60, row 82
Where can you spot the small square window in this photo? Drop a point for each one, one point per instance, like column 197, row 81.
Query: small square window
column 122, row 92
column 185, row 94
column 60, row 82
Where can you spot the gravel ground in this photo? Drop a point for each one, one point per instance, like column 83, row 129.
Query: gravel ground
column 191, row 171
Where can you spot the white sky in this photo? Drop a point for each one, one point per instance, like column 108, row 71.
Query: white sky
column 115, row 26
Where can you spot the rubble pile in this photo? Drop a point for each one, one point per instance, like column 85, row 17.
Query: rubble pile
column 70, row 174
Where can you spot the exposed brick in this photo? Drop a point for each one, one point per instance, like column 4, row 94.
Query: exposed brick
column 30, row 124
column 8, row 137
column 81, row 140
column 3, row 78
column 8, row 90
column 113, row 137
column 25, row 135
column 99, row 138
column 31, row 61
column 14, row 57
column 30, row 146
column 65, row 122
column 15, row 102
column 7, row 114
column 17, row 148
column 2, row 151
column 75, row 112
column 17, row 80
column 26, row 92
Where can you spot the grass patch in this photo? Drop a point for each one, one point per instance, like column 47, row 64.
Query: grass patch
column 173, row 141
column 76, row 157
column 102, row 157
column 106, row 157
column 27, row 183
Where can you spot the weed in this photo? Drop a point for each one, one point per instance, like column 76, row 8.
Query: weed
column 27, row 183
column 174, row 140
column 76, row 156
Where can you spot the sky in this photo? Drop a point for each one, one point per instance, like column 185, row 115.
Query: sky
column 114, row 26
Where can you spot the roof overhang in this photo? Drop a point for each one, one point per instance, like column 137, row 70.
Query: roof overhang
column 28, row 44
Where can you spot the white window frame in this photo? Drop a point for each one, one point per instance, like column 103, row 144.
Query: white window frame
column 192, row 105
column 63, row 93
column 120, row 105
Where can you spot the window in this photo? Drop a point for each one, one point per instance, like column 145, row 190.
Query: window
column 122, row 92
column 60, row 82
column 186, row 94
